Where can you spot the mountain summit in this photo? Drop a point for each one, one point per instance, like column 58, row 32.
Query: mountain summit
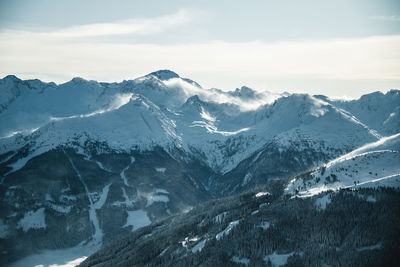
column 164, row 74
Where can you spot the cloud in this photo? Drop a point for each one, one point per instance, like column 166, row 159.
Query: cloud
column 386, row 18
column 125, row 27
column 52, row 56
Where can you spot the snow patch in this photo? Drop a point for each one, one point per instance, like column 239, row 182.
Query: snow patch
column 322, row 202
column 277, row 259
column 59, row 208
column 377, row 246
column 255, row 212
column 69, row 257
column 247, row 179
column 163, row 252
column 371, row 166
column 227, row 230
column 33, row 220
column 199, row 246
column 264, row 225
column 22, row 162
column 137, row 219
column 161, row 170
column 103, row 197
column 221, row 217
column 156, row 198
column 261, row 194
column 122, row 174
column 238, row 260
column 127, row 202
column 162, row 191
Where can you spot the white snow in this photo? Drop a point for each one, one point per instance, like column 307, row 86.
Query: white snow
column 101, row 166
column 261, row 194
column 122, row 174
column 371, row 166
column 227, row 230
column 33, row 220
column 371, row 199
column 127, row 202
column 69, row 257
column 255, row 212
column 67, row 198
column 22, row 162
column 160, row 169
column 199, row 246
column 247, row 179
column 98, row 233
column 163, row 252
column 322, row 202
column 156, row 198
column 72, row 263
column 221, row 217
column 159, row 195
column 376, row 246
column 226, row 127
column 264, row 225
column 99, row 204
column 163, row 191
column 238, row 260
column 60, row 208
column 137, row 219
column 257, row 156
column 277, row 259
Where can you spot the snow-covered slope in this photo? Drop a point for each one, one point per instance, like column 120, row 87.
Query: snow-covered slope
column 372, row 165
column 163, row 109
column 376, row 110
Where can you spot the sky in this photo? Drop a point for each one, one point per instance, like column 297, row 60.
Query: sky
column 341, row 48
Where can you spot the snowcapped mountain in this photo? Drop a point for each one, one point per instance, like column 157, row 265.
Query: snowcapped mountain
column 175, row 112
column 372, row 165
column 94, row 161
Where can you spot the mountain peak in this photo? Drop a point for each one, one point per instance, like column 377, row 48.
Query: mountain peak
column 78, row 80
column 164, row 74
column 193, row 101
column 245, row 92
column 11, row 78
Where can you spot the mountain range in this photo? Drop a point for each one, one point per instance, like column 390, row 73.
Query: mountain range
column 85, row 163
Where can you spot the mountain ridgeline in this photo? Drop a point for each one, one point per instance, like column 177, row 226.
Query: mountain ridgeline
column 85, row 163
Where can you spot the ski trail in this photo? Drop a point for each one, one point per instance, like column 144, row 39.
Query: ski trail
column 104, row 194
column 100, row 165
column 122, row 174
column 98, row 234
column 128, row 202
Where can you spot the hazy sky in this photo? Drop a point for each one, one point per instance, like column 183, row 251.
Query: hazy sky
column 341, row 47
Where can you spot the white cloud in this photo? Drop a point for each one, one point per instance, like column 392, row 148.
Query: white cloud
column 125, row 27
column 53, row 56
